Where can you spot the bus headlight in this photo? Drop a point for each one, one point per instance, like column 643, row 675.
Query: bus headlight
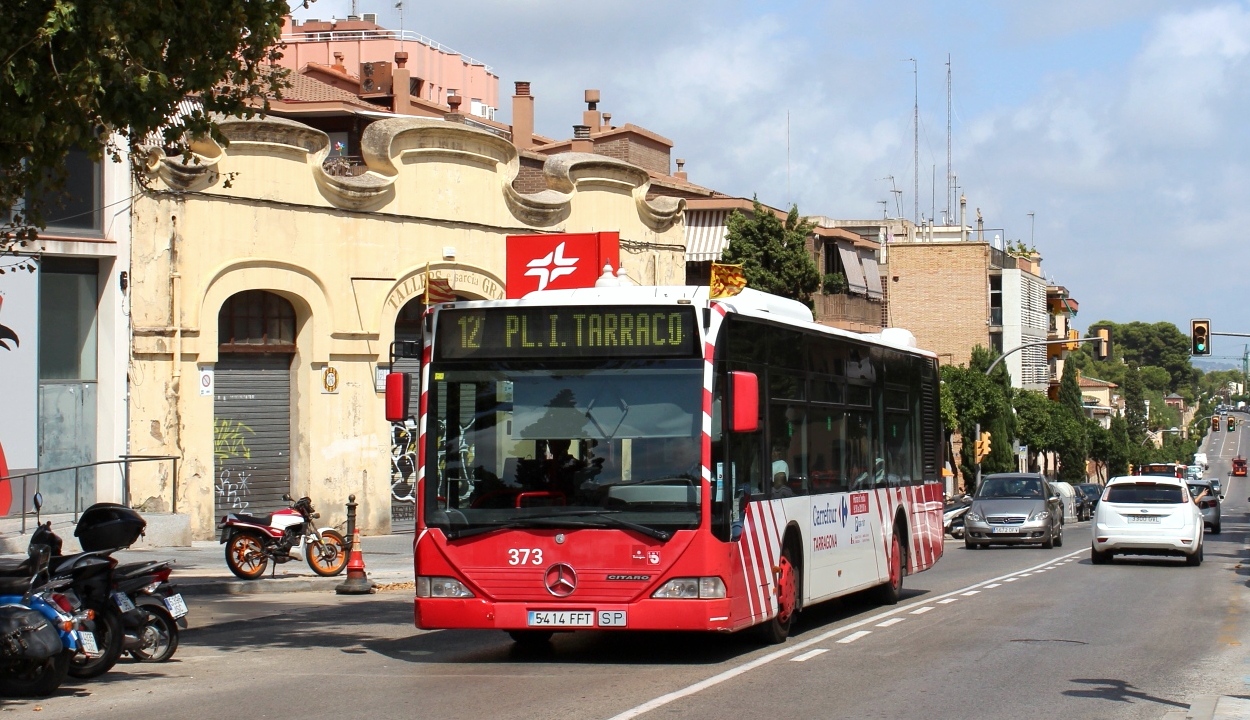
column 442, row 587
column 697, row 588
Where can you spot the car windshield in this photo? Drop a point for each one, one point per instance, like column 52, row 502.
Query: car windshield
column 1145, row 494
column 1010, row 487
column 588, row 446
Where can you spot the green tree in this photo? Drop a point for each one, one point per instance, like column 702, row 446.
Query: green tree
column 1142, row 344
column 774, row 254
column 1118, row 457
column 1102, row 448
column 999, row 419
column 75, row 71
column 1073, row 443
column 1033, row 426
column 1134, row 411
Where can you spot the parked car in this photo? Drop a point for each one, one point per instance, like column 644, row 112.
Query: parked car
column 1209, row 505
column 1014, row 509
column 1146, row 515
column 1092, row 492
column 1067, row 497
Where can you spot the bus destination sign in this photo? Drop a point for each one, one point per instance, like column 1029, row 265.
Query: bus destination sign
column 566, row 331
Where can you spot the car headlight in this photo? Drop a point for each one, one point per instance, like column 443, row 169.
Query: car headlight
column 976, row 515
column 1040, row 516
column 442, row 587
column 694, row 588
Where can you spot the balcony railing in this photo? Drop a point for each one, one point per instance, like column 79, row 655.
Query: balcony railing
column 379, row 34
column 1001, row 260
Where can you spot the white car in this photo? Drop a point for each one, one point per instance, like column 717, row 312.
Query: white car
column 1147, row 515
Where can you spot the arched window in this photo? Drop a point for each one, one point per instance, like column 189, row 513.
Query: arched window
column 256, row 321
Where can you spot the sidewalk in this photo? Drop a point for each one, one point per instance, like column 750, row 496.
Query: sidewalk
column 201, row 569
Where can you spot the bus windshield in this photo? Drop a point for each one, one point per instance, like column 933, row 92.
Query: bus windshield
column 585, row 444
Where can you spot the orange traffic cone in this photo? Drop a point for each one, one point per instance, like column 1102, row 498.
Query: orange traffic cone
column 357, row 582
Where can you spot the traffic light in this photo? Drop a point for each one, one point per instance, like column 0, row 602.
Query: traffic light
column 1215, row 424
column 1200, row 335
column 1102, row 350
column 983, row 446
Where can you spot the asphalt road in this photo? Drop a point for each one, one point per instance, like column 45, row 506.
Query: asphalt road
column 998, row 633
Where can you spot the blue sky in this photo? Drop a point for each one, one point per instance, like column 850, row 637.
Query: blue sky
column 1119, row 123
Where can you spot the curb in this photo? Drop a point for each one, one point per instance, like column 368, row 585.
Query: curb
column 267, row 586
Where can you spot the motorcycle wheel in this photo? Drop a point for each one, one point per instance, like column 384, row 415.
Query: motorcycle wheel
column 158, row 637
column 35, row 679
column 246, row 557
column 330, row 559
column 108, row 636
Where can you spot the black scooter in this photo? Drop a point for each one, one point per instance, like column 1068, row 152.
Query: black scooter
column 152, row 612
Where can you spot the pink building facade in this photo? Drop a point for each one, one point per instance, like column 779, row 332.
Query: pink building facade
column 363, row 49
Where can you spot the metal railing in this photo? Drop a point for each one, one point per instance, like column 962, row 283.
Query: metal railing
column 357, row 35
column 124, row 465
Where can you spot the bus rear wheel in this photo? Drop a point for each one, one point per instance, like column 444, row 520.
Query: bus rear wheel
column 892, row 590
column 788, row 583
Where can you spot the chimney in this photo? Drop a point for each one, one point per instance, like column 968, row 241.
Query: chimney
column 523, row 116
column 338, row 62
column 401, row 86
column 607, row 121
column 681, row 169
column 590, row 117
column 963, row 208
column 581, row 139
column 453, row 102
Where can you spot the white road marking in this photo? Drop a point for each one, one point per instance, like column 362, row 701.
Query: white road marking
column 970, row 593
column 809, row 655
column 922, row 610
column 776, row 655
column 1011, row 579
column 1024, row 574
column 991, row 587
column 854, row 636
column 891, row 621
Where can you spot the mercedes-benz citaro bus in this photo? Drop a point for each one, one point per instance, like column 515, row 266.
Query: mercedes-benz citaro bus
column 644, row 458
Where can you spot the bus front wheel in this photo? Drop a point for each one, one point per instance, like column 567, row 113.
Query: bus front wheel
column 788, row 583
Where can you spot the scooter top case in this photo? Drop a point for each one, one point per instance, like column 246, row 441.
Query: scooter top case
column 109, row 526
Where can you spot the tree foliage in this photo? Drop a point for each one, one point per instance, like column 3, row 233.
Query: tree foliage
column 1158, row 345
column 1033, row 426
column 774, row 254
column 75, row 71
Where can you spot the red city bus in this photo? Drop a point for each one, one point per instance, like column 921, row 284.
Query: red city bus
column 1239, row 466
column 644, row 458
column 1176, row 470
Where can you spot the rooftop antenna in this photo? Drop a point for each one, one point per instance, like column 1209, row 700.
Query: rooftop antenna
column 1031, row 245
column 400, row 7
column 789, row 197
column 898, row 206
column 915, row 148
column 885, row 213
column 950, row 173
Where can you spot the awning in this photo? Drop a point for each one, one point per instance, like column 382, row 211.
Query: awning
column 872, row 273
column 854, row 272
column 706, row 234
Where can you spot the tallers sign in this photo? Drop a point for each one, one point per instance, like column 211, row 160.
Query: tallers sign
column 559, row 262
column 19, row 378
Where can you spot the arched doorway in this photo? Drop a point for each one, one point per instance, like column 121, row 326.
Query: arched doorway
column 408, row 326
column 252, row 403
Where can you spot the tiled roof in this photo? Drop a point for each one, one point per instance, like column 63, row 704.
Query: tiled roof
column 308, row 90
column 1095, row 382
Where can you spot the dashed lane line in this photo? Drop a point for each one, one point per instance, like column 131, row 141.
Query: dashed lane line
column 891, row 621
column 776, row 655
column 992, row 586
column 809, row 655
column 922, row 610
column 970, row 593
column 854, row 636
column 947, row 601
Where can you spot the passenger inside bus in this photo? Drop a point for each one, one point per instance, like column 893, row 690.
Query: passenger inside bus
column 781, row 474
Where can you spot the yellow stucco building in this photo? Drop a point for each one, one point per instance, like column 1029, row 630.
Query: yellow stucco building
column 266, row 292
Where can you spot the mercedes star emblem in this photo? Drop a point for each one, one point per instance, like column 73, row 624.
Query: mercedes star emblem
column 561, row 580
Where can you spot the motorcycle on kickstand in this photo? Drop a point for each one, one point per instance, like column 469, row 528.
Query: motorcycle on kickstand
column 151, row 611
column 253, row 541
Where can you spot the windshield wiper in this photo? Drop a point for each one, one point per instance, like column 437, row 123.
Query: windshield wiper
column 563, row 520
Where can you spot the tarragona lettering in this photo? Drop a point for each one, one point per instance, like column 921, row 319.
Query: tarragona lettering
column 597, row 330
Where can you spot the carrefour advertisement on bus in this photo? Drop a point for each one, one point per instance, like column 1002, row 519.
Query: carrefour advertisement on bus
column 19, row 373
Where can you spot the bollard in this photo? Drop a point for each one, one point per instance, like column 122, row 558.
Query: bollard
column 357, row 582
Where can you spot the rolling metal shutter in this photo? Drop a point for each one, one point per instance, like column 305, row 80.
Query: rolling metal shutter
column 251, row 432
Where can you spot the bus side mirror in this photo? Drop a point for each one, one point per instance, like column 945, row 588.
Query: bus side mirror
column 398, row 387
column 744, row 399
